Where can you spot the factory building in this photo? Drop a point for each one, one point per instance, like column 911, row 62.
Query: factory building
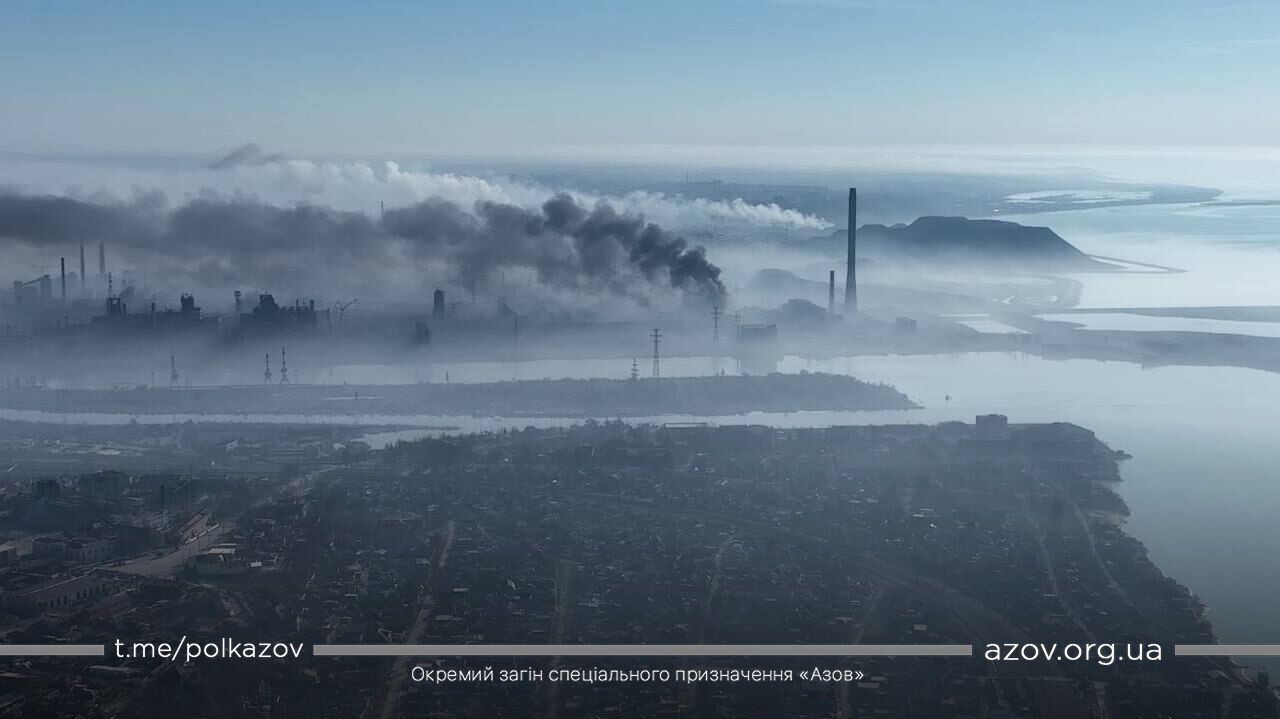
column 269, row 318
column 34, row 595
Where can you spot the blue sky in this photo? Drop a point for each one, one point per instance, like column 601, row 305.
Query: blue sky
column 493, row 76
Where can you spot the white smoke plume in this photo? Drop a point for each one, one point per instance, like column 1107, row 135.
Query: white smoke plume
column 248, row 171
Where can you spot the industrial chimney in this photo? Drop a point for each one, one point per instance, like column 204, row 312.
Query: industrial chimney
column 82, row 266
column 850, row 278
column 63, row 262
column 102, row 258
column 831, row 293
column 437, row 304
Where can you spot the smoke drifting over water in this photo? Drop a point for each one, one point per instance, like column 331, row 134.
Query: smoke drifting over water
column 563, row 246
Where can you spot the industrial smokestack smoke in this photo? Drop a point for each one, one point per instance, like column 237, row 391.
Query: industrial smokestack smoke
column 565, row 246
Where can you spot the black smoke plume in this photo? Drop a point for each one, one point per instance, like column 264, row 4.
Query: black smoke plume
column 236, row 241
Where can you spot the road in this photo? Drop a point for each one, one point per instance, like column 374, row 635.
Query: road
column 168, row 564
column 400, row 668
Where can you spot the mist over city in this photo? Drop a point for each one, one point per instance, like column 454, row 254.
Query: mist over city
column 710, row 359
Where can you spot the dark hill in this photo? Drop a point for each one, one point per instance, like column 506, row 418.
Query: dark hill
column 959, row 240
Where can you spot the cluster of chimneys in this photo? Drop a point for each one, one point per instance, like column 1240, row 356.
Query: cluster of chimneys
column 438, row 308
column 102, row 267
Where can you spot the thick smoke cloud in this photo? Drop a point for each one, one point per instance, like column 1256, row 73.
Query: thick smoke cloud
column 565, row 244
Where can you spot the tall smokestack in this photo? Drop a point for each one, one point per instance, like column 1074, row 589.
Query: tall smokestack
column 831, row 293
column 102, row 258
column 82, row 264
column 63, row 262
column 850, row 279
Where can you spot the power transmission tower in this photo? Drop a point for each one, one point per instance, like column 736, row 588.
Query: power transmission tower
column 657, row 370
column 635, row 369
column 284, row 368
column 266, row 375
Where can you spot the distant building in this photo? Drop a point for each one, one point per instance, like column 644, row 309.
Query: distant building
column 49, row 547
column 991, row 425
column 105, row 484
column 33, row 595
column 269, row 318
column 437, row 304
column 190, row 530
column 990, row 438
column 46, row 487
column 757, row 348
column 221, row 560
column 89, row 550
column 758, row 335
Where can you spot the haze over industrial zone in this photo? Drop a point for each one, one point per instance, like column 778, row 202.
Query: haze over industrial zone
column 729, row 358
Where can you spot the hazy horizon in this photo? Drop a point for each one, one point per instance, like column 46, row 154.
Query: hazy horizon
column 507, row 77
